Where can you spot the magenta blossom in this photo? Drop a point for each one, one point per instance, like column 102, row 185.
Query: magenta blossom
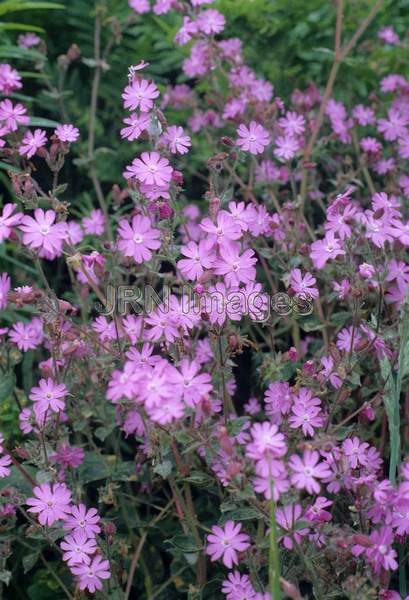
column 78, row 548
column 79, row 519
column 13, row 115
column 41, row 232
column 32, row 142
column 138, row 238
column 253, row 138
column 49, row 396
column 89, row 576
column 151, row 169
column 140, row 94
column 307, row 470
column 8, row 220
column 67, row 133
column 226, row 542
column 51, row 502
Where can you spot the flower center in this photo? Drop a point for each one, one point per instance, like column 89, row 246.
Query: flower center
column 137, row 238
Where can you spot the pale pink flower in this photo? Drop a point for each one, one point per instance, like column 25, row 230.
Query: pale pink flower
column 95, row 223
column 225, row 543
column 151, row 168
column 41, row 232
column 49, row 396
column 80, row 519
column 8, row 220
column 236, row 268
column 177, row 140
column 13, row 115
column 303, row 284
column 138, row 239
column 4, row 289
column 136, row 124
column 78, row 548
column 51, row 502
column 307, row 470
column 210, row 22
column 32, row 142
column 89, row 576
column 253, row 138
column 140, row 6
column 140, row 94
column 28, row 40
column 67, row 133
column 199, row 257
column 286, row 147
column 5, row 462
column 292, row 123
column 326, row 249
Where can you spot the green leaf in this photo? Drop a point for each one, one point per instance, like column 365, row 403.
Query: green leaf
column 39, row 122
column 7, row 385
column 93, row 468
column 6, row 167
column 186, row 543
column 29, row 560
column 14, row 6
column 20, row 53
column 20, row 27
column 164, row 469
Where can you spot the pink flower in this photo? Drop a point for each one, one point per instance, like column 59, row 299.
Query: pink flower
column 140, row 94
column 51, row 502
column 293, row 123
column 41, row 232
column 307, row 470
column 68, row 456
column 370, row 145
column 4, row 289
column 198, row 258
column 27, row 336
column 5, row 462
column 77, row 548
column 266, row 442
column 79, row 519
column 89, row 576
column 138, row 239
column 379, row 552
column 210, row 22
column 234, row 267
column 49, row 395
column 364, row 115
column 253, row 138
column 10, row 80
column 8, row 220
column 193, row 385
column 286, row 147
column 306, row 417
column 162, row 7
column 388, row 35
column 226, row 543
column 28, row 40
column 324, row 250
column 395, row 126
column 67, row 133
column 355, row 451
column 236, row 586
column 13, row 116
column 32, row 142
column 287, row 518
column 95, row 223
column 185, row 33
column 151, row 168
column 140, row 6
column 303, row 284
column 136, row 125
column 177, row 140
column 224, row 230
